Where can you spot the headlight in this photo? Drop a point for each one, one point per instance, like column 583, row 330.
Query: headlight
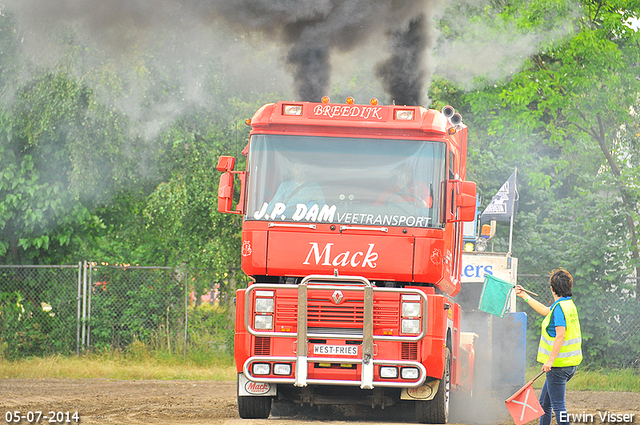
column 409, row 373
column 263, row 322
column 388, row 372
column 410, row 326
column 410, row 309
column 282, row 369
column 261, row 368
column 264, row 305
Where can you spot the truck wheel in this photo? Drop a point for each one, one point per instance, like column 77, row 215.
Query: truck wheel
column 254, row 407
column 436, row 411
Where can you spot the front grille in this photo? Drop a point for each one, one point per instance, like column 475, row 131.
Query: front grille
column 350, row 312
column 336, row 331
column 323, row 313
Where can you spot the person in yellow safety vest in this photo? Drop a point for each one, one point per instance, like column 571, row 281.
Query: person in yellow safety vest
column 560, row 348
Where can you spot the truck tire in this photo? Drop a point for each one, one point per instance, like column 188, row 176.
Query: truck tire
column 436, row 411
column 254, row 407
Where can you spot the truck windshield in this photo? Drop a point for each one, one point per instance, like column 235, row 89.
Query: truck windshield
column 346, row 181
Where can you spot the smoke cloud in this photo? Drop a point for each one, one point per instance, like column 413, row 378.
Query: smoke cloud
column 310, row 31
column 486, row 51
column 403, row 74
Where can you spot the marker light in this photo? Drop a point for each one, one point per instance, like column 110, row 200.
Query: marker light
column 373, row 101
column 325, row 99
column 404, row 114
column 247, row 121
column 350, row 100
column 292, row 109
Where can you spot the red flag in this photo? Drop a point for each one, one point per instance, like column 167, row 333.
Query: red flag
column 523, row 405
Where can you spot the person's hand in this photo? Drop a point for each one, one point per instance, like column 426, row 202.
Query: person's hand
column 547, row 366
column 520, row 291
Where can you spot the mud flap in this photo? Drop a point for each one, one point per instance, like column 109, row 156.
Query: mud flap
column 427, row 391
column 250, row 388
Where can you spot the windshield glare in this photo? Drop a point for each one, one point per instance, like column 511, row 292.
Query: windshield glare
column 375, row 182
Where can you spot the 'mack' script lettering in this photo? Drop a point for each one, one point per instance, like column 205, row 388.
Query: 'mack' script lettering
column 348, row 111
column 357, row 259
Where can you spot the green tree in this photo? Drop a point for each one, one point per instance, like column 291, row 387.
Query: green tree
column 567, row 120
column 62, row 154
column 570, row 102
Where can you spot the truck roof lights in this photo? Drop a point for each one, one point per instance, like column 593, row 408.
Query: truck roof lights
column 350, row 100
column 404, row 114
column 292, row 109
column 373, row 101
column 325, row 99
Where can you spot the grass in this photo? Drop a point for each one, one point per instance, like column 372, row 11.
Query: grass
column 597, row 379
column 120, row 366
column 139, row 363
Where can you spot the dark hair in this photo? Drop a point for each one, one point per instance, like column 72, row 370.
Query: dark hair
column 561, row 282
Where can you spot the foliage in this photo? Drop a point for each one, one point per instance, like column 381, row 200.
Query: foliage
column 568, row 120
column 37, row 313
column 212, row 328
column 55, row 168
column 129, row 305
column 110, row 159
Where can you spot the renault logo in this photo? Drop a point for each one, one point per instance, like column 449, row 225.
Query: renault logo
column 337, row 297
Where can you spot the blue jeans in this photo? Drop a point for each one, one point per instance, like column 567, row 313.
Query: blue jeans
column 552, row 397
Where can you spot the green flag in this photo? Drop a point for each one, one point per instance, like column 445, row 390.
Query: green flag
column 495, row 295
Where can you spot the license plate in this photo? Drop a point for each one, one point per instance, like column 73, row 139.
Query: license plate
column 336, row 350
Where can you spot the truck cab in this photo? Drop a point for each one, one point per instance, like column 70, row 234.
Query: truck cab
column 352, row 235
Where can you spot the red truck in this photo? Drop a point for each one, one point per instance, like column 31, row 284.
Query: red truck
column 352, row 236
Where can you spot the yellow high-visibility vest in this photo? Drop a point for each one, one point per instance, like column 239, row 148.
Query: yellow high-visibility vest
column 571, row 351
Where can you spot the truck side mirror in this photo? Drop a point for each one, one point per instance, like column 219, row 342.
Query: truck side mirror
column 226, row 163
column 225, row 193
column 462, row 201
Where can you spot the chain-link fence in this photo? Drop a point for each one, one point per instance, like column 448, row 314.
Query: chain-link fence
column 609, row 320
column 38, row 310
column 126, row 304
column 70, row 309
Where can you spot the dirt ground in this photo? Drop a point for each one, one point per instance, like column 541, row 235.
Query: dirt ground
column 101, row 401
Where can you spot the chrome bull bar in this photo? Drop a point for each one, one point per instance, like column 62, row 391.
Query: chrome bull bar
column 301, row 360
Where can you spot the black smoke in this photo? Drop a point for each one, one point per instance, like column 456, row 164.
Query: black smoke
column 309, row 30
column 403, row 74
